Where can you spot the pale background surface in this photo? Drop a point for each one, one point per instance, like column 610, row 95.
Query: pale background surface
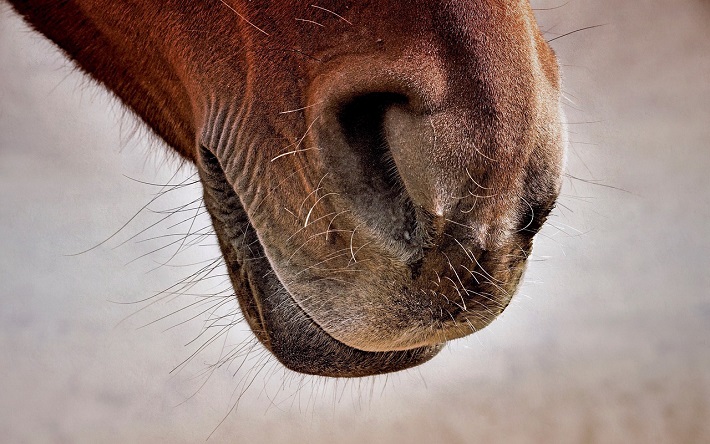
column 608, row 341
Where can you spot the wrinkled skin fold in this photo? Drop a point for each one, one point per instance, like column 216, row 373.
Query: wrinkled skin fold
column 375, row 171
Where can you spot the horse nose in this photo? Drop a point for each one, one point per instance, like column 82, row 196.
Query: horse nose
column 397, row 144
column 378, row 137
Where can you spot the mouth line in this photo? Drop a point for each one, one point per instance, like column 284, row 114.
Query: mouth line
column 299, row 342
column 276, row 319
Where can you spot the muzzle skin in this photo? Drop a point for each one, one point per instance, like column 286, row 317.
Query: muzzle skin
column 375, row 171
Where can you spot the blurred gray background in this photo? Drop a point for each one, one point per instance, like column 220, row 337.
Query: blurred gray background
column 607, row 341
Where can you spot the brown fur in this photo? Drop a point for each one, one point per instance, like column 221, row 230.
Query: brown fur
column 375, row 170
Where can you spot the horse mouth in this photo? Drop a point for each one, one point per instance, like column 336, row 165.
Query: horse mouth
column 275, row 318
column 442, row 280
column 298, row 342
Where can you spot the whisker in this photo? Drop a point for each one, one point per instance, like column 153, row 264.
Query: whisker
column 310, row 21
column 334, row 13
column 244, row 18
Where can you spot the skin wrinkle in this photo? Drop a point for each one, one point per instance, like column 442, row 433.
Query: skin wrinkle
column 372, row 182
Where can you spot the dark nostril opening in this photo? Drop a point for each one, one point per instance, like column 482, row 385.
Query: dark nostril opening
column 534, row 216
column 362, row 123
column 416, row 268
column 365, row 171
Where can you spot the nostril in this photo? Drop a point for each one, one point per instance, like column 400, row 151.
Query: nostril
column 364, row 172
column 362, row 124
column 416, row 268
column 534, row 215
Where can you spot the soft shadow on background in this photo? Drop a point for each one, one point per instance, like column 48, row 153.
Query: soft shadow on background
column 607, row 341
